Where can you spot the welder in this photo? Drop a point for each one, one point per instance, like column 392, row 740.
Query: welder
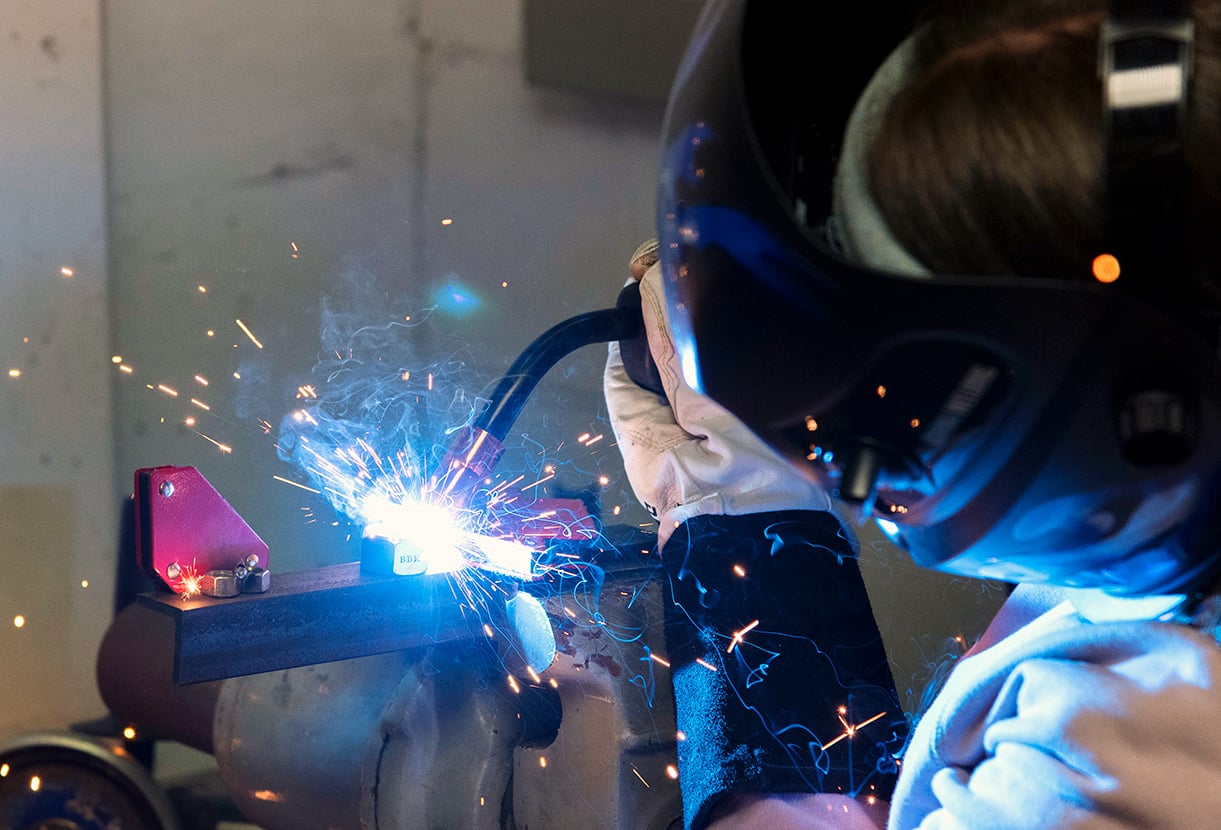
column 952, row 269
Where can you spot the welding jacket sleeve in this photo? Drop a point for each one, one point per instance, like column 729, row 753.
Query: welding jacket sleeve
column 1073, row 724
column 781, row 683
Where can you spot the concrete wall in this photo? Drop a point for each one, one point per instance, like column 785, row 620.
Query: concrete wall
column 58, row 505
column 387, row 157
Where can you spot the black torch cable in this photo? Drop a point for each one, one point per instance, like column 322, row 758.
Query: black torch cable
column 548, row 349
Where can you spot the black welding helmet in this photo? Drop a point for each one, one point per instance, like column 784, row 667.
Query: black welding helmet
column 1025, row 428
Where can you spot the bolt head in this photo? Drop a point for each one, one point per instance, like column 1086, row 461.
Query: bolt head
column 166, row 489
column 172, row 570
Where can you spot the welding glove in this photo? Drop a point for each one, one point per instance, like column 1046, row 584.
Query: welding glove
column 782, row 689
column 684, row 454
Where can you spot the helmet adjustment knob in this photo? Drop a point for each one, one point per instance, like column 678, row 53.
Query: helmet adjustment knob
column 859, row 476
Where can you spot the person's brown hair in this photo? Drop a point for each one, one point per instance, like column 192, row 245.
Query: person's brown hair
column 989, row 161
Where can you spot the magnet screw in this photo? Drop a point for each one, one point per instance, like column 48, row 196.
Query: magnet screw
column 166, row 489
column 173, row 570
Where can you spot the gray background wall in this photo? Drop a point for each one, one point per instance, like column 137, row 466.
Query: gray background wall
column 279, row 154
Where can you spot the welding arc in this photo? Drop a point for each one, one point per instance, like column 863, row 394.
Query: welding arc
column 548, row 349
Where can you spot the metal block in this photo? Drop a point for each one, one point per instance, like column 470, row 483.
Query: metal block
column 309, row 617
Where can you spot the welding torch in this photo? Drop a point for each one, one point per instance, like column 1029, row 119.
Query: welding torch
column 477, row 447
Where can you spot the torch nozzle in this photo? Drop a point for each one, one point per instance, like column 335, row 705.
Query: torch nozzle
column 470, row 458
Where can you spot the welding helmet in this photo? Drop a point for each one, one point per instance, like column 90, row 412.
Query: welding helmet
column 1027, row 428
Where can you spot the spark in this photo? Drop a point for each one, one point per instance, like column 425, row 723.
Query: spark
column 173, row 393
column 739, row 570
column 705, row 664
column 202, row 289
column 129, row 732
column 201, row 404
column 542, row 761
column 19, row 621
column 35, row 783
column 4, row 770
column 672, row 771
column 738, row 635
column 225, row 448
column 657, row 659
column 447, row 221
column 14, row 373
column 504, row 284
column 84, row 583
column 295, row 484
column 201, row 380
column 67, row 272
column 249, row 333
column 533, row 674
column 296, row 251
column 540, row 481
column 616, row 510
column 850, row 729
column 125, row 368
column 514, row 685
column 487, row 629
column 189, row 586
column 638, row 775
column 118, row 358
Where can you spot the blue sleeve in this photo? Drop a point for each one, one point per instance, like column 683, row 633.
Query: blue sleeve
column 781, row 682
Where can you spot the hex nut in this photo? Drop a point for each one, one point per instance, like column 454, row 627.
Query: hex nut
column 256, row 581
column 219, row 583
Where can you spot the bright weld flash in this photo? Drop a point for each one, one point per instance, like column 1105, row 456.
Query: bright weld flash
column 433, row 532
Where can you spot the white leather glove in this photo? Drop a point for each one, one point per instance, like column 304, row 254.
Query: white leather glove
column 684, row 454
